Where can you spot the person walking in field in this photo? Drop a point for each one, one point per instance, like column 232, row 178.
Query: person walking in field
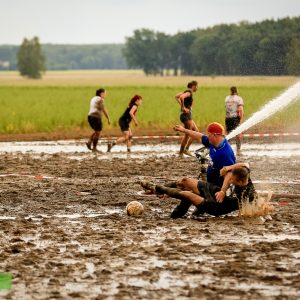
column 234, row 105
column 97, row 108
column 185, row 100
column 124, row 122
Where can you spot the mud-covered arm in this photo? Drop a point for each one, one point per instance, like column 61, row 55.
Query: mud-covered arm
column 180, row 99
column 240, row 111
column 132, row 114
column 191, row 133
column 227, row 169
column 222, row 193
column 177, row 97
column 103, row 108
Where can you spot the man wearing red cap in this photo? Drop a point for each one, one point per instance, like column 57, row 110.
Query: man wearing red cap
column 221, row 155
column 220, row 151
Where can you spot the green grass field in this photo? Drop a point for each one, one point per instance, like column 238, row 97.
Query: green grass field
column 47, row 107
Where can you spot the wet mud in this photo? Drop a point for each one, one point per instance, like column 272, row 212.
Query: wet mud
column 64, row 233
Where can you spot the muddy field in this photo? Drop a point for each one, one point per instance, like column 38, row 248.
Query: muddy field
column 64, row 233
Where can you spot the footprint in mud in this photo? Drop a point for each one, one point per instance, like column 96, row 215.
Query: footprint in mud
column 14, row 249
column 15, row 240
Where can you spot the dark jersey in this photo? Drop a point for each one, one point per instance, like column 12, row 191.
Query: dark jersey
column 230, row 203
column 245, row 193
column 126, row 117
column 188, row 101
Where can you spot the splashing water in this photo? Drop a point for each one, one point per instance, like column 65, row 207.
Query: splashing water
column 292, row 94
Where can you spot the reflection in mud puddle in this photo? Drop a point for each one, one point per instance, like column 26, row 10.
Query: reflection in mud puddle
column 106, row 211
column 165, row 281
column 266, row 290
column 79, row 151
column 83, row 287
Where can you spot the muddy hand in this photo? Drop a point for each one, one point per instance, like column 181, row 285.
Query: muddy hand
column 220, row 196
column 223, row 171
column 178, row 128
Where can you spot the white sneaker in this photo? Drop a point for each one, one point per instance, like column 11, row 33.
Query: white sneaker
column 188, row 153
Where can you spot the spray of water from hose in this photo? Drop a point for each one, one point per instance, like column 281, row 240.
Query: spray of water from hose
column 291, row 95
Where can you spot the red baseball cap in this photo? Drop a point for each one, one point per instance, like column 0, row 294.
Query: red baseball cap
column 215, row 128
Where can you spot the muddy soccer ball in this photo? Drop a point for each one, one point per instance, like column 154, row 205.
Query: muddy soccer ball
column 134, row 208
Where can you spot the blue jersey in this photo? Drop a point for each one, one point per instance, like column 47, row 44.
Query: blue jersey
column 221, row 156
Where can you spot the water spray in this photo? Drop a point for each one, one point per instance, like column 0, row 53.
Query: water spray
column 292, row 94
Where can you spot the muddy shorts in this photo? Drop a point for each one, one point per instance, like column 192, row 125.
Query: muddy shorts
column 184, row 117
column 95, row 123
column 210, row 205
column 232, row 123
column 124, row 124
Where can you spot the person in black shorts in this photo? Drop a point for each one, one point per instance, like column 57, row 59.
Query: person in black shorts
column 97, row 108
column 234, row 105
column 185, row 100
column 210, row 198
column 124, row 122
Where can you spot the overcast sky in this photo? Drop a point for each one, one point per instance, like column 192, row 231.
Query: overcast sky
column 111, row 21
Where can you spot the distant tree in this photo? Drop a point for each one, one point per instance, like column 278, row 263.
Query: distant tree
column 293, row 57
column 181, row 58
column 140, row 51
column 162, row 48
column 30, row 59
column 66, row 57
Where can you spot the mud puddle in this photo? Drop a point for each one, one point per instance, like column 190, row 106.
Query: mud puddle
column 79, row 151
column 64, row 233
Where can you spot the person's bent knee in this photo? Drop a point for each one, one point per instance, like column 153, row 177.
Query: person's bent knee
column 192, row 198
column 182, row 182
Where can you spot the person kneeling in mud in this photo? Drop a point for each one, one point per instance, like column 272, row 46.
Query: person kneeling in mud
column 208, row 197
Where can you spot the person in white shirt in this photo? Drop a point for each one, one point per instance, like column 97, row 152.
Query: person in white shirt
column 234, row 105
column 95, row 118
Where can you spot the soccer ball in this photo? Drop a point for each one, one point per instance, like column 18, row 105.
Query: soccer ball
column 134, row 208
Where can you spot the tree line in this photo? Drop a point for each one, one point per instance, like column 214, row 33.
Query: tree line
column 270, row 47
column 69, row 57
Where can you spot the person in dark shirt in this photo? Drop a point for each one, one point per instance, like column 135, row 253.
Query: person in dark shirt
column 234, row 105
column 124, row 122
column 237, row 188
column 185, row 100
column 210, row 198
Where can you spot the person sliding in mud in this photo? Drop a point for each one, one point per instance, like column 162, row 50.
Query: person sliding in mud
column 220, row 153
column 234, row 105
column 210, row 198
column 95, row 118
column 185, row 100
column 124, row 123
